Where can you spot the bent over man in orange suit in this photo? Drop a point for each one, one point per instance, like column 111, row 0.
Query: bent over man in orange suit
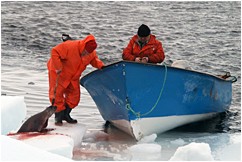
column 144, row 47
column 68, row 60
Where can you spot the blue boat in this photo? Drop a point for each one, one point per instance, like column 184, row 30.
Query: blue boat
column 142, row 99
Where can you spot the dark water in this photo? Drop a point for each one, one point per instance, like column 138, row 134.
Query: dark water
column 206, row 34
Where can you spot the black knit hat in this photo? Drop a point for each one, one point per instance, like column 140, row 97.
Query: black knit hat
column 143, row 31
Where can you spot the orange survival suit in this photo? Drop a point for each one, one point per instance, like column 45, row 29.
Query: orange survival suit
column 67, row 57
column 153, row 50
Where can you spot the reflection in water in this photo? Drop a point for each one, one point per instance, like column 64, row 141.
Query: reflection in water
column 218, row 124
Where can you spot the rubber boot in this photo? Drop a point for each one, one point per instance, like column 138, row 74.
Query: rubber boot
column 59, row 117
column 67, row 116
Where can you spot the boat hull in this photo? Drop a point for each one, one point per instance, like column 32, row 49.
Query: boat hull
column 142, row 127
column 135, row 92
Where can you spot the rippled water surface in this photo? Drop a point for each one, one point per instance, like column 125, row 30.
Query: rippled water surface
column 206, row 34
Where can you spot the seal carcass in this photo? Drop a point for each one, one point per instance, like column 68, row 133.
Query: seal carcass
column 38, row 122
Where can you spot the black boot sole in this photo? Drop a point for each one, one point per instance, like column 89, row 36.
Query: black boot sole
column 71, row 122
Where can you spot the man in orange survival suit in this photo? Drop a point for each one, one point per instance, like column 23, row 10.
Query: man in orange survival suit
column 68, row 60
column 143, row 47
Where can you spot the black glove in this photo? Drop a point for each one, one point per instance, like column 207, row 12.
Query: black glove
column 103, row 67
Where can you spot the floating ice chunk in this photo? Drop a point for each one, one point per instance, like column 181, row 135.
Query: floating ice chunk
column 16, row 150
column 61, row 140
column 58, row 144
column 148, row 139
column 193, row 152
column 179, row 142
column 145, row 151
column 13, row 112
column 75, row 131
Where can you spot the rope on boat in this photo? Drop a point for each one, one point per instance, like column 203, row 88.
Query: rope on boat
column 137, row 114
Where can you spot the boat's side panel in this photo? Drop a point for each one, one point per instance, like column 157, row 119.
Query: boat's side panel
column 151, row 91
column 108, row 91
column 164, row 91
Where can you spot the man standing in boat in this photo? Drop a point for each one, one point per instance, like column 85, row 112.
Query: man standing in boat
column 68, row 60
column 144, row 47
